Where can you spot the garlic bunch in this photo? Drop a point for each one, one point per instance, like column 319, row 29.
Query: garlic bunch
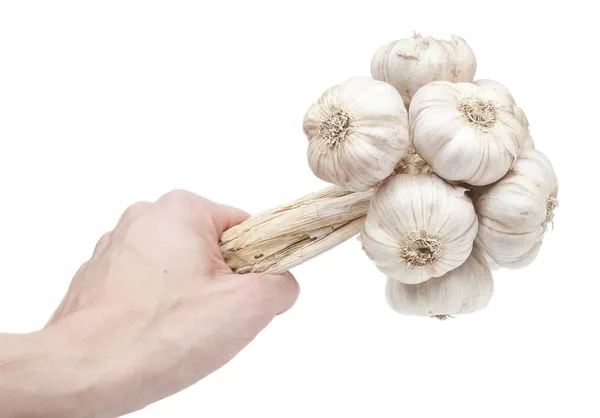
column 509, row 100
column 514, row 213
column 357, row 132
column 418, row 227
column 409, row 64
column 466, row 289
column 465, row 132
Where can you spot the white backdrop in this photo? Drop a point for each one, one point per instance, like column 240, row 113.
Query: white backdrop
column 106, row 103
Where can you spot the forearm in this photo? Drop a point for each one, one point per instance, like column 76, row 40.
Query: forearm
column 48, row 374
column 36, row 377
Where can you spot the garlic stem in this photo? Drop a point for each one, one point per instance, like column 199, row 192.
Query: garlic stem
column 281, row 238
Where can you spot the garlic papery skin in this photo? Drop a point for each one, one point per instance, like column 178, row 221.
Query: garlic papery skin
column 515, row 212
column 466, row 289
column 357, row 132
column 465, row 132
column 409, row 64
column 418, row 227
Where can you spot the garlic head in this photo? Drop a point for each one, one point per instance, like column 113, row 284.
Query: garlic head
column 357, row 132
column 466, row 289
column 410, row 63
column 465, row 132
column 418, row 227
column 515, row 212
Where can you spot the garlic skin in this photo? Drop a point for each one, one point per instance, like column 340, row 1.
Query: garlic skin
column 515, row 212
column 466, row 289
column 418, row 227
column 409, row 64
column 465, row 132
column 357, row 132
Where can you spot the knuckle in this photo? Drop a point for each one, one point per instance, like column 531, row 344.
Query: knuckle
column 180, row 198
column 102, row 242
column 135, row 210
column 104, row 238
column 177, row 195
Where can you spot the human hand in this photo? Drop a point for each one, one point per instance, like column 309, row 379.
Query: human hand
column 156, row 308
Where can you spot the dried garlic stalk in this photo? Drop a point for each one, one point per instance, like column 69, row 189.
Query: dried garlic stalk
column 279, row 239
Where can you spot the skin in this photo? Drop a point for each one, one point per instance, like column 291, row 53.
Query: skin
column 153, row 311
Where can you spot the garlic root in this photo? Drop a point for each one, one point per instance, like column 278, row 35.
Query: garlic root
column 279, row 239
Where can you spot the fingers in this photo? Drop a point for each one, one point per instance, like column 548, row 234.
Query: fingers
column 225, row 217
column 277, row 293
column 201, row 214
column 199, row 210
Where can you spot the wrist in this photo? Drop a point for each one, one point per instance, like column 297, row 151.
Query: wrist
column 37, row 377
column 54, row 373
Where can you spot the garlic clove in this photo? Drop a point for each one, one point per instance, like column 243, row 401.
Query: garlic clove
column 418, row 227
column 514, row 213
column 466, row 289
column 357, row 132
column 464, row 132
column 410, row 63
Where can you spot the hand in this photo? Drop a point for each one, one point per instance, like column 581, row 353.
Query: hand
column 156, row 308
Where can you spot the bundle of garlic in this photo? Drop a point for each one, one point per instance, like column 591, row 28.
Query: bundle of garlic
column 435, row 171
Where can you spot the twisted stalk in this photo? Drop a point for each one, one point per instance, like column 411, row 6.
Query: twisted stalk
column 276, row 240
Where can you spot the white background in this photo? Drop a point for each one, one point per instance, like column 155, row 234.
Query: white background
column 108, row 102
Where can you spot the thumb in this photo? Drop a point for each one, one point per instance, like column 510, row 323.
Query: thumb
column 278, row 290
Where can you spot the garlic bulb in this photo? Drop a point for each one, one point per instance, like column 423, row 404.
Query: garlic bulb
column 508, row 99
column 357, row 132
column 418, row 227
column 514, row 213
column 466, row 289
column 465, row 132
column 408, row 64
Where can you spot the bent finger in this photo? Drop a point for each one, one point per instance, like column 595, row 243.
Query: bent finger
column 225, row 217
column 198, row 210
column 276, row 292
